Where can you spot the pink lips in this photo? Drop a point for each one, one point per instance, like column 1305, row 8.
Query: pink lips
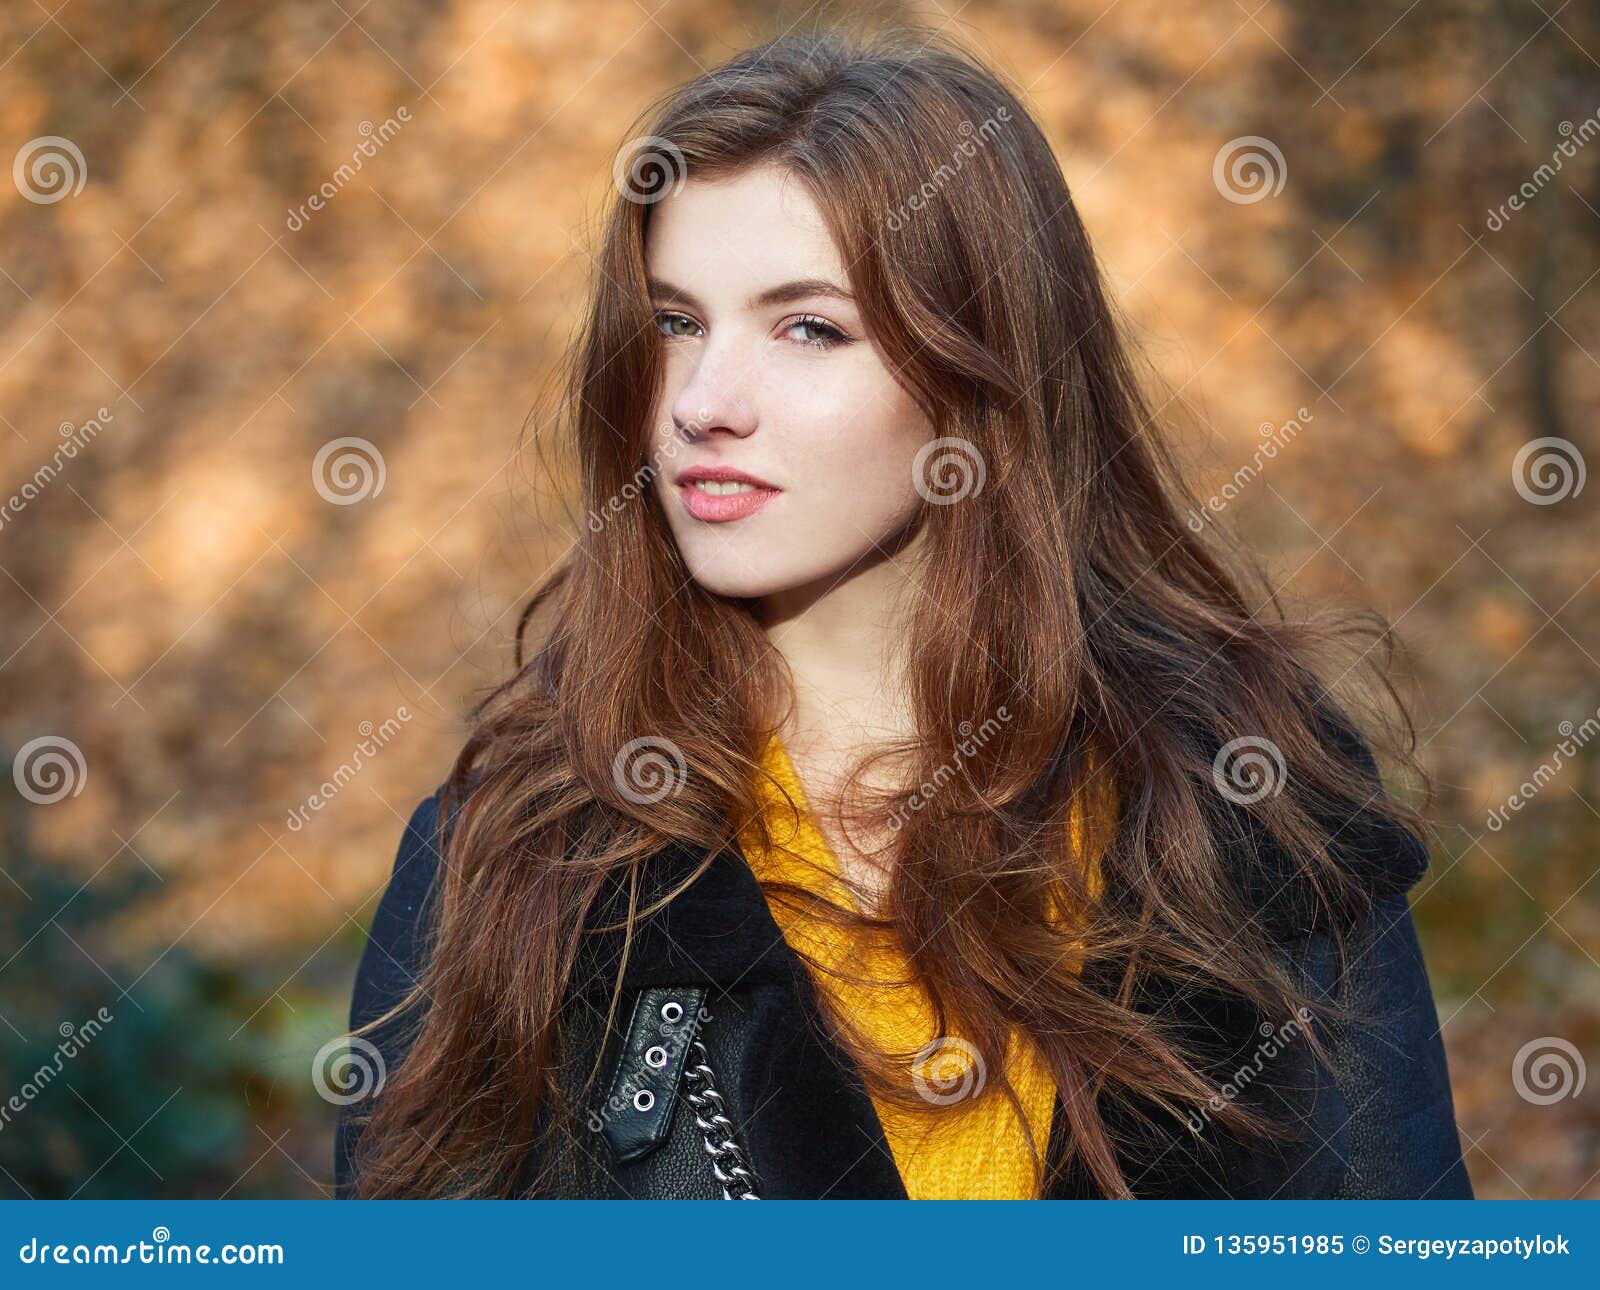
column 720, row 508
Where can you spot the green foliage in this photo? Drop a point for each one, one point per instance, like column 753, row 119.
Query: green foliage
column 169, row 1077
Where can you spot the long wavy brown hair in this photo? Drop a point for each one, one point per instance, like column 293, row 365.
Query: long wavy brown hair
column 1130, row 645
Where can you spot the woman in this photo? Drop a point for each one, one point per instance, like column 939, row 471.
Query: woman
column 896, row 796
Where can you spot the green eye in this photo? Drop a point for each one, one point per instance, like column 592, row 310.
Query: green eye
column 818, row 333
column 669, row 324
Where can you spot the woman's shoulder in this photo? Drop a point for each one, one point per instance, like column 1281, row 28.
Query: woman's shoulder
column 1380, row 856
column 1386, row 857
column 392, row 959
column 417, row 857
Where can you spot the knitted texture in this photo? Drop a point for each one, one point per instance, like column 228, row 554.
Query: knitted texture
column 965, row 1141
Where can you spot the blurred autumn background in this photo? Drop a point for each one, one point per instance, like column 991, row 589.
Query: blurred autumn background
column 204, row 619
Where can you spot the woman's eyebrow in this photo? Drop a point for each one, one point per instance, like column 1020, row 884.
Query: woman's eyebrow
column 782, row 294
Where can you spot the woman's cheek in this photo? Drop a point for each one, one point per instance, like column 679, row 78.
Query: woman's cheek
column 863, row 492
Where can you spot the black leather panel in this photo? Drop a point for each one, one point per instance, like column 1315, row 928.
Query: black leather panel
column 648, row 1072
column 677, row 1166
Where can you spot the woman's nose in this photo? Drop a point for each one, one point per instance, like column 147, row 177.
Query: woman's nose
column 717, row 398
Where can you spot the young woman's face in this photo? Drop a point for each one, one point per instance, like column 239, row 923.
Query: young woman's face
column 782, row 444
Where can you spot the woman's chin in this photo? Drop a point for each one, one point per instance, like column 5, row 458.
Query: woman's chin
column 744, row 582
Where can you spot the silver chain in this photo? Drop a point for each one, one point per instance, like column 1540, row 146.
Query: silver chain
column 716, row 1130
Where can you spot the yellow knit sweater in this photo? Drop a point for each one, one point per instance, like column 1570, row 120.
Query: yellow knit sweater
column 967, row 1141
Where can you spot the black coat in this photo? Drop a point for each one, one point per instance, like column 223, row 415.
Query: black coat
column 796, row 1107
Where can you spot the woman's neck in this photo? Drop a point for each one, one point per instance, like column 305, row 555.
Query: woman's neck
column 843, row 642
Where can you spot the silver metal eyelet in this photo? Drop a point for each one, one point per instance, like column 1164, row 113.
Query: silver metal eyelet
column 643, row 1100
column 671, row 1011
column 656, row 1057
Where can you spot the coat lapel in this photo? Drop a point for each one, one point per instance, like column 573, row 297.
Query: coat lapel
column 811, row 1128
column 804, row 1114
